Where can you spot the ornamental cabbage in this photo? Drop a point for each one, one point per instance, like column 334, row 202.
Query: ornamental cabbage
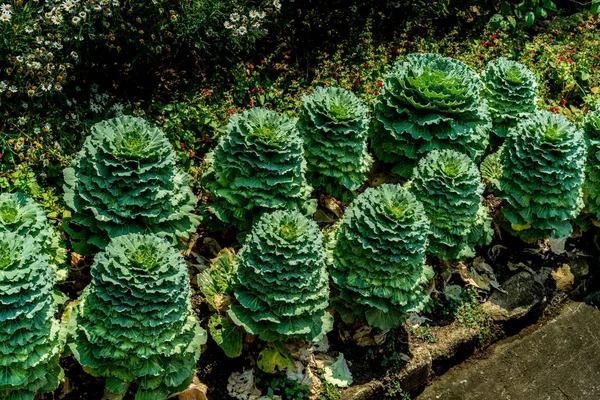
column 282, row 283
column 31, row 338
column 429, row 103
column 543, row 164
column 510, row 89
column 591, row 186
column 20, row 214
column 124, row 180
column 334, row 125
column 377, row 255
column 257, row 166
column 449, row 185
column 134, row 322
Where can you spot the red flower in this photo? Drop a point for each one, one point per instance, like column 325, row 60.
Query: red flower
column 251, row 102
column 449, row 55
column 595, row 57
column 191, row 154
column 532, row 51
column 563, row 101
column 376, row 93
column 325, row 83
column 570, row 61
column 335, row 76
column 182, row 146
column 261, row 90
column 366, row 65
column 380, row 83
column 231, row 111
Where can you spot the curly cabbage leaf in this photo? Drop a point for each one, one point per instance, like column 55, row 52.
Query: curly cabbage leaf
column 20, row 214
column 429, row 103
column 282, row 283
column 334, row 125
column 449, row 185
column 376, row 255
column 591, row 185
column 124, row 180
column 543, row 165
column 134, row 322
column 510, row 89
column 31, row 338
column 258, row 166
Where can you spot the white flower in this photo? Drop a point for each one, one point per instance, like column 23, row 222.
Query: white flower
column 353, row 9
column 58, row 86
column 261, row 14
column 57, row 19
column 5, row 18
column 234, row 17
column 22, row 121
column 118, row 107
column 36, row 65
column 57, row 45
column 6, row 8
column 277, row 4
column 95, row 107
column 253, row 14
column 19, row 59
column 74, row 55
column 48, row 127
column 3, row 86
column 82, row 14
column 28, row 29
column 243, row 30
column 236, row 32
column 25, row 105
column 116, row 3
column 36, row 130
column 75, row 20
column 67, row 5
column 46, row 86
column 13, row 89
column 256, row 25
column 228, row 25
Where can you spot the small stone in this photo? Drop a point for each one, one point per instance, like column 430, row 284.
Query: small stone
column 564, row 278
column 523, row 293
column 366, row 391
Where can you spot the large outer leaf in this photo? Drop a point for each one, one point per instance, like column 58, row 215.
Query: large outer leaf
column 429, row 103
column 31, row 340
column 124, row 180
column 592, row 171
column 282, row 283
column 134, row 322
column 543, row 165
column 449, row 185
column 227, row 335
column 334, row 124
column 376, row 255
column 257, row 166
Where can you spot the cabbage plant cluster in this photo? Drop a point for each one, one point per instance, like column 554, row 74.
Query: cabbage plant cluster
column 257, row 166
column 429, row 103
column 510, row 89
column 449, row 185
column 543, row 164
column 124, row 180
column 377, row 255
column 282, row 283
column 134, row 322
column 31, row 338
column 20, row 214
column 334, row 125
column 592, row 172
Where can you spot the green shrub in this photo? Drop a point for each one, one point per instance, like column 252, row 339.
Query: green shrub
column 449, row 185
column 510, row 89
column 591, row 186
column 543, row 163
column 20, row 214
column 257, row 166
column 282, row 282
column 430, row 102
column 134, row 322
column 377, row 255
column 124, row 180
column 32, row 339
column 334, row 125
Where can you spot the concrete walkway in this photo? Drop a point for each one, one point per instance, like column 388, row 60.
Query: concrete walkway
column 558, row 361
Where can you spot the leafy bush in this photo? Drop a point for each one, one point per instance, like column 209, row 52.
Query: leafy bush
column 449, row 185
column 31, row 337
column 510, row 89
column 377, row 255
column 124, row 180
column 282, row 282
column 334, row 125
column 543, row 163
column 134, row 322
column 430, row 102
column 258, row 166
column 591, row 185
column 20, row 214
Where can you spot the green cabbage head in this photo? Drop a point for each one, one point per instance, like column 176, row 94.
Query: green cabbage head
column 543, row 164
column 449, row 185
column 592, row 172
column 20, row 214
column 257, row 166
column 377, row 255
column 429, row 103
column 124, row 180
column 282, row 282
column 134, row 322
column 334, row 125
column 31, row 338
column 510, row 89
